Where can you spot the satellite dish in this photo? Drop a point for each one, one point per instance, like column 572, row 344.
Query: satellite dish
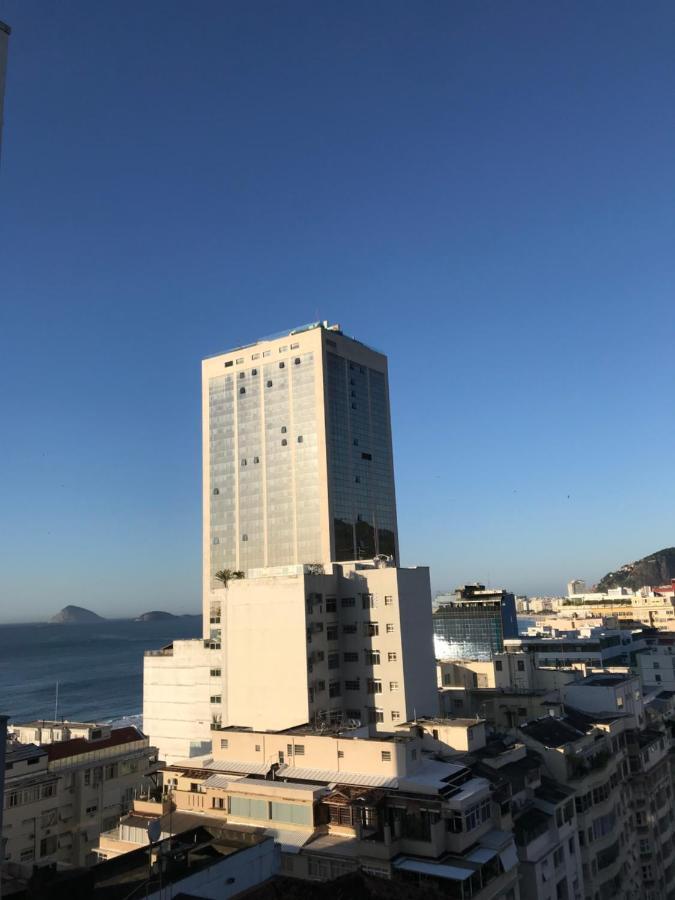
column 154, row 830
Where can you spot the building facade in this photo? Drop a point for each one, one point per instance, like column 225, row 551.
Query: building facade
column 297, row 454
column 61, row 792
column 474, row 623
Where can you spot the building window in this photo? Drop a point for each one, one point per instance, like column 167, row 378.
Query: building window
column 331, row 632
column 353, row 405
column 386, row 755
column 242, row 375
column 224, row 744
column 390, row 628
column 267, row 353
column 239, row 361
column 372, row 657
column 297, row 360
column 331, row 605
column 228, row 364
column 393, row 685
column 216, row 491
column 282, row 365
column 374, row 686
column 254, row 371
column 283, row 429
column 269, row 383
column 243, row 462
column 334, row 689
column 284, row 442
column 333, row 660
column 341, row 754
column 255, row 356
column 299, row 438
column 498, row 665
column 256, row 460
column 216, row 540
column 215, row 673
column 353, row 685
column 371, row 629
column 244, row 537
column 356, row 442
column 366, row 456
column 349, row 629
column 215, row 698
column 388, row 601
column 521, row 665
column 350, row 657
column 395, row 715
column 283, row 349
column 392, row 656
column 347, row 602
column 367, row 601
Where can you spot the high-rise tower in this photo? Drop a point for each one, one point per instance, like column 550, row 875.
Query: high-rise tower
column 297, row 453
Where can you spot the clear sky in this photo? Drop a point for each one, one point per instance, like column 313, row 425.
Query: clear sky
column 483, row 190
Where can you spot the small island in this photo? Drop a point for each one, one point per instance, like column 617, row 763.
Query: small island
column 75, row 615
column 154, row 615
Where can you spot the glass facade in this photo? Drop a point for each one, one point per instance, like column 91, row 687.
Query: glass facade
column 267, row 495
column 360, row 465
column 263, row 465
column 474, row 629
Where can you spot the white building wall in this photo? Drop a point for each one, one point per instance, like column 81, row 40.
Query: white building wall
column 177, row 687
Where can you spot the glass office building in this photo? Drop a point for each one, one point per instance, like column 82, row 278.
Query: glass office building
column 474, row 623
column 298, row 463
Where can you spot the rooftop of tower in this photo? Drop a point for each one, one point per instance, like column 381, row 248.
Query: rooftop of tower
column 325, row 325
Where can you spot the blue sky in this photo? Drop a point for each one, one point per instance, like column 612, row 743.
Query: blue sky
column 483, row 190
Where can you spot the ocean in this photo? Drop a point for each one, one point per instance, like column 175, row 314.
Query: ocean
column 98, row 667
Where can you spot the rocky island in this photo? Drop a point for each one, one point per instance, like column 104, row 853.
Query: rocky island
column 75, row 615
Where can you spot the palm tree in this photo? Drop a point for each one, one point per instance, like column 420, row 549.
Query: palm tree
column 224, row 575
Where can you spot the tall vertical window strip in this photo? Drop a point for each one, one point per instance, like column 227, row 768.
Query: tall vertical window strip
column 307, row 499
column 361, row 478
column 222, row 473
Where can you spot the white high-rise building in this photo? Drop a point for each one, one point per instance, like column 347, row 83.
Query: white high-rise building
column 297, row 455
column 299, row 497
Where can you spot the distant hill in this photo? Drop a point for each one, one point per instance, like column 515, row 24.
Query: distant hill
column 75, row 615
column 657, row 568
column 154, row 615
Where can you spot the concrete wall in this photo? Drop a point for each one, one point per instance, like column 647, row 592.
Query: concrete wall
column 177, row 687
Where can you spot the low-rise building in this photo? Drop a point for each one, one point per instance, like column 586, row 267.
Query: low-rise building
column 401, row 806
column 58, row 797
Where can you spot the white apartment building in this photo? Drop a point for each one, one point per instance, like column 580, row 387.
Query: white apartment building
column 353, row 645
column 59, row 797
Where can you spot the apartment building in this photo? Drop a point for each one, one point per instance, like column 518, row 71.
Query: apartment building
column 58, row 797
column 352, row 645
column 397, row 805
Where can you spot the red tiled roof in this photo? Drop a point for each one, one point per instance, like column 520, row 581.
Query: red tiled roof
column 76, row 746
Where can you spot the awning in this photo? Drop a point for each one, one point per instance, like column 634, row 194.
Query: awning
column 289, row 840
column 509, row 857
column 437, row 870
column 481, row 855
